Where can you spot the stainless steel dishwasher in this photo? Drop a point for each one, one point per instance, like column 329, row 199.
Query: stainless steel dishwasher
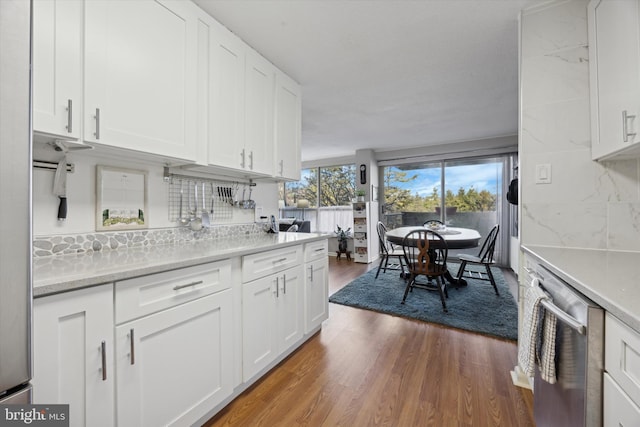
column 576, row 397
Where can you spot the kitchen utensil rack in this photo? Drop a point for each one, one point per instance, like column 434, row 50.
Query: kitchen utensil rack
column 226, row 196
column 52, row 166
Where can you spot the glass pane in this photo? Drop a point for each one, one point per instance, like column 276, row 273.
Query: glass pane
column 473, row 195
column 412, row 193
column 305, row 189
column 337, row 185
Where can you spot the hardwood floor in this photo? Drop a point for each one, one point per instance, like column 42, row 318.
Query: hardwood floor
column 370, row 369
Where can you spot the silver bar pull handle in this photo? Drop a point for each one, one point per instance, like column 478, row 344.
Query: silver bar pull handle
column 279, row 260
column 178, row 287
column 566, row 318
column 625, row 131
column 251, row 159
column 281, row 167
column 277, row 287
column 97, row 116
column 242, row 163
column 69, row 115
column 103, row 348
column 311, row 273
column 133, row 350
column 284, row 284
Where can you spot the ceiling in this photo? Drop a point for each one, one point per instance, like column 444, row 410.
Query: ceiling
column 389, row 74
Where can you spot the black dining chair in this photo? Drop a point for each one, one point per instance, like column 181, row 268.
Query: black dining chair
column 425, row 253
column 388, row 250
column 483, row 259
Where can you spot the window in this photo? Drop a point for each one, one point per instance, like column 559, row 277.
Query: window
column 329, row 191
column 466, row 193
column 305, row 189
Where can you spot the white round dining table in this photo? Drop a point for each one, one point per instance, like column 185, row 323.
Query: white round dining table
column 456, row 238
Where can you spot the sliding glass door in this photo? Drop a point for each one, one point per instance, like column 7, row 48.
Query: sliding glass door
column 466, row 193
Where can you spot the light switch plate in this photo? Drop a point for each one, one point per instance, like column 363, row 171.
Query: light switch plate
column 543, row 173
column 259, row 214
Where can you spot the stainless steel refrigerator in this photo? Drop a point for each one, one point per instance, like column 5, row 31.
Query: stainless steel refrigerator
column 15, row 201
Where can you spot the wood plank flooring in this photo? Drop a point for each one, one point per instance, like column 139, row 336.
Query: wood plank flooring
column 370, row 369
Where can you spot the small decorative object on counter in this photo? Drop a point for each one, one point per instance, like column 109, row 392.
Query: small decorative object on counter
column 360, row 195
column 273, row 226
column 302, row 204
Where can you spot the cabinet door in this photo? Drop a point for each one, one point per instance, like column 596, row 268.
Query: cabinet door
column 287, row 128
column 290, row 307
column 175, row 366
column 316, row 293
column 141, row 76
column 259, row 325
column 69, row 331
column 226, row 142
column 614, row 43
column 619, row 409
column 259, row 100
column 57, row 67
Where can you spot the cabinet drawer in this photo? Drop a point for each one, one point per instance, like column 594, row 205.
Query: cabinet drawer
column 622, row 356
column 149, row 294
column 618, row 409
column 357, row 213
column 262, row 264
column 316, row 250
column 361, row 257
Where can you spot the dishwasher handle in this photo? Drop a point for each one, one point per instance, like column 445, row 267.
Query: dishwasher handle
column 565, row 318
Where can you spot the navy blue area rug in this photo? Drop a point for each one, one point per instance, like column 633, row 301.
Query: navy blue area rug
column 474, row 308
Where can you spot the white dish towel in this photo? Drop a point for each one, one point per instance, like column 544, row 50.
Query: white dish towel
column 547, row 356
column 530, row 327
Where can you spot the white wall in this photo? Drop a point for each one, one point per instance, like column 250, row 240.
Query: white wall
column 588, row 204
column 81, row 199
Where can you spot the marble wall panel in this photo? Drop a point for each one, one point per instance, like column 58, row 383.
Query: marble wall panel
column 588, row 204
column 578, row 179
column 562, row 28
column 555, row 77
column 582, row 225
column 563, row 126
column 624, row 226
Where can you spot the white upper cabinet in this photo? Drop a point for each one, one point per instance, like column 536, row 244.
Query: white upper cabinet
column 288, row 119
column 162, row 77
column 614, row 61
column 242, row 92
column 259, row 86
column 141, row 76
column 57, row 67
column 226, row 139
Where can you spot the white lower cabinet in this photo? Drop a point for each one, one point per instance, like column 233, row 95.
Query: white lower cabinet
column 316, row 285
column 622, row 366
column 619, row 409
column 73, row 354
column 165, row 349
column 272, row 318
column 174, row 366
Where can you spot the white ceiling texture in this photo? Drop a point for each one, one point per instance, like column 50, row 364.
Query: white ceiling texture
column 389, row 74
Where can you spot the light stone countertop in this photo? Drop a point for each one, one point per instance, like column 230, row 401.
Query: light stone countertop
column 56, row 274
column 610, row 278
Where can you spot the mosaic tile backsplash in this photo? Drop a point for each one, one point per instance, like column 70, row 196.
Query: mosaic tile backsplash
column 114, row 240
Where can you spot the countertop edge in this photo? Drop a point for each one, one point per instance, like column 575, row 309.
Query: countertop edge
column 608, row 304
column 52, row 286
